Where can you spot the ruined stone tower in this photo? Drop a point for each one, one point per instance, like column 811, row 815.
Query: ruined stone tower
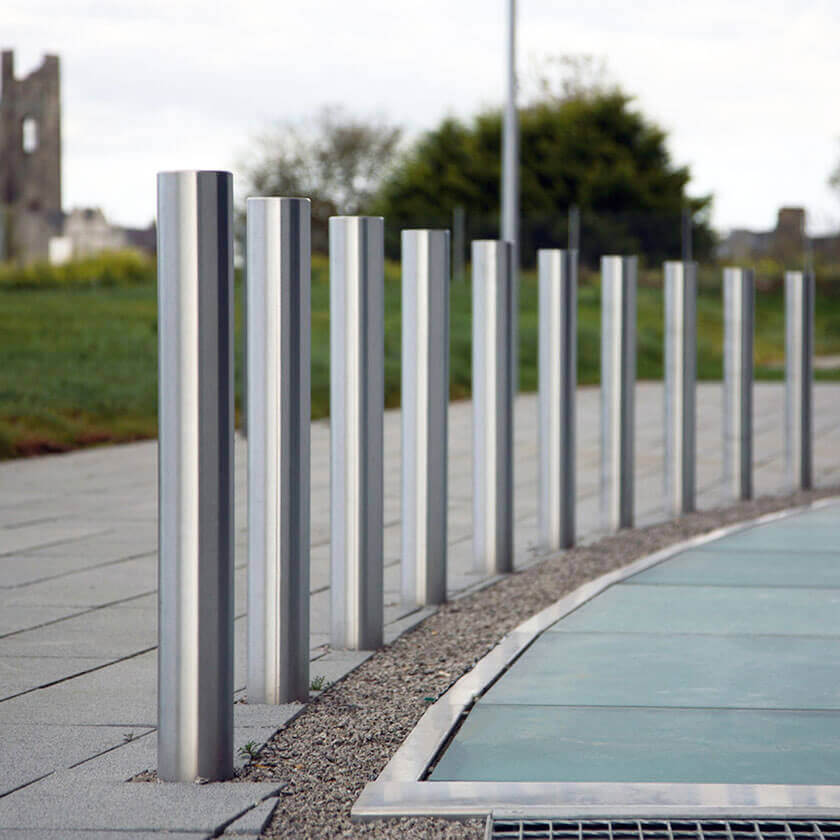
column 30, row 159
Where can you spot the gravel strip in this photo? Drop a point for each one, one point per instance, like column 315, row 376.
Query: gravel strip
column 345, row 737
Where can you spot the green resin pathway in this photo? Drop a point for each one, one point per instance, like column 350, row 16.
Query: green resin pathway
column 719, row 665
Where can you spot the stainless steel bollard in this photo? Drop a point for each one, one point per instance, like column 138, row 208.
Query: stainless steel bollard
column 195, row 475
column 799, row 375
column 739, row 317
column 618, row 381
column 425, row 403
column 357, row 394
column 492, row 394
column 278, row 449
column 557, row 386
column 680, row 386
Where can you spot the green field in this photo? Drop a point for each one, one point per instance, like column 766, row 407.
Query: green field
column 79, row 345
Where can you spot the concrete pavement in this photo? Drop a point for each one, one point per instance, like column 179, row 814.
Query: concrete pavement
column 78, row 593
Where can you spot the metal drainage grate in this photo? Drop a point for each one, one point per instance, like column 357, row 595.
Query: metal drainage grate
column 548, row 829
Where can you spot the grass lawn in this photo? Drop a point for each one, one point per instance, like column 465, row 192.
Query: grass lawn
column 80, row 358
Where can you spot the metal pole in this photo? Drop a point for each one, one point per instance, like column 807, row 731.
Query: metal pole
column 618, row 380
column 557, row 385
column 799, row 374
column 278, row 449
column 459, row 246
column 680, row 385
column 195, row 475
column 244, row 423
column 687, row 235
column 492, row 392
column 510, row 184
column 739, row 313
column 574, row 228
column 357, row 392
column 425, row 402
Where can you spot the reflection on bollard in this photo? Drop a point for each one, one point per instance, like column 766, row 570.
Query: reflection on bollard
column 425, row 402
column 492, row 388
column 680, row 386
column 357, row 394
column 739, row 318
column 278, row 307
column 557, row 386
column 618, row 381
column 799, row 376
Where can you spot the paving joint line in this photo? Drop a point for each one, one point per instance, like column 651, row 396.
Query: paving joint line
column 79, row 614
column 76, row 571
column 79, row 674
column 59, row 542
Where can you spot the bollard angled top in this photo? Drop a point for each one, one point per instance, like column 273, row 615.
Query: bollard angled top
column 273, row 198
column 194, row 172
column 374, row 218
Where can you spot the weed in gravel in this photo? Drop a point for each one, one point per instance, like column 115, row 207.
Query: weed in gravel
column 249, row 750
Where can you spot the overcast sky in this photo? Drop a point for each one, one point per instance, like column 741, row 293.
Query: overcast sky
column 747, row 89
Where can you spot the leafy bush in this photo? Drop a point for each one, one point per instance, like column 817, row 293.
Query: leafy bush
column 117, row 269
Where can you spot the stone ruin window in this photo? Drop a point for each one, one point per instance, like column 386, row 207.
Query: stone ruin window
column 29, row 135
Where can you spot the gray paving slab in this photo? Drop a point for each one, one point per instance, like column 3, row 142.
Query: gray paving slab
column 253, row 822
column 32, row 752
column 19, row 619
column 80, row 802
column 136, row 747
column 113, row 507
column 337, row 663
column 108, row 633
column 88, row 588
column 123, row 694
column 102, row 547
column 21, row 569
column 44, row 535
column 23, row 673
column 85, row 834
column 412, row 617
column 258, row 714
column 136, row 754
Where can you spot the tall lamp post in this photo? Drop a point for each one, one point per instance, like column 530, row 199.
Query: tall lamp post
column 510, row 180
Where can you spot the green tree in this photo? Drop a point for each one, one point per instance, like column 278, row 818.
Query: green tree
column 336, row 160
column 585, row 146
